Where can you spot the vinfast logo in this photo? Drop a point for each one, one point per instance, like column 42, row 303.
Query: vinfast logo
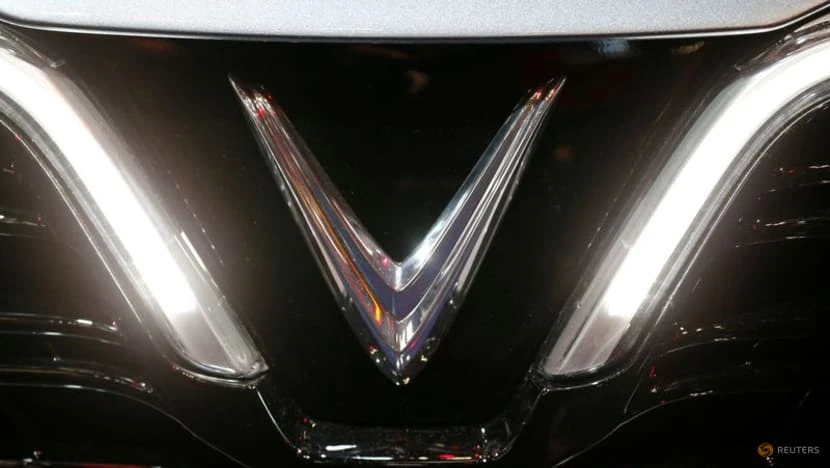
column 399, row 309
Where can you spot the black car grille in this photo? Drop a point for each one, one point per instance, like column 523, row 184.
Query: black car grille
column 398, row 128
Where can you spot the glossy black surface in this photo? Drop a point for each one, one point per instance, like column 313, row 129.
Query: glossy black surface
column 417, row 114
column 751, row 316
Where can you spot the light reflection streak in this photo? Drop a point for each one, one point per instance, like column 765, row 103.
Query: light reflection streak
column 94, row 172
column 707, row 167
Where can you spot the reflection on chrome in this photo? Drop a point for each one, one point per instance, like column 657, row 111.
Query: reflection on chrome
column 668, row 224
column 323, row 441
column 146, row 255
column 399, row 308
column 101, row 373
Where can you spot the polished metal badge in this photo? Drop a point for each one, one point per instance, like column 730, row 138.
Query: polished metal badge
column 399, row 310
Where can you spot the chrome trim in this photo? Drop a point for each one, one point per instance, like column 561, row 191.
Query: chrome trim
column 426, row 19
column 27, row 324
column 399, row 309
column 327, row 442
column 42, row 320
column 65, row 371
column 673, row 219
column 148, row 256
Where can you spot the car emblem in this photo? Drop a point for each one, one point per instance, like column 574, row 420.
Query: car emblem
column 399, row 310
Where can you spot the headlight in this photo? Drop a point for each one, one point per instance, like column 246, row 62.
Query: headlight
column 672, row 220
column 150, row 259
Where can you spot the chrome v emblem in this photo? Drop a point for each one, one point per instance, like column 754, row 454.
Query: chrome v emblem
column 399, row 310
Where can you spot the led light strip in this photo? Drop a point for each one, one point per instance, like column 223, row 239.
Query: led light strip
column 149, row 258
column 705, row 170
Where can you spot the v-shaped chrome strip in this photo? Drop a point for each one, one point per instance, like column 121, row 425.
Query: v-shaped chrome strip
column 400, row 310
